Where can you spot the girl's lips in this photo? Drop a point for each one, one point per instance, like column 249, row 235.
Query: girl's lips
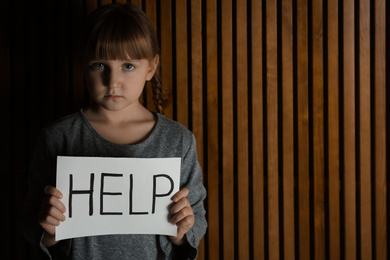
column 112, row 96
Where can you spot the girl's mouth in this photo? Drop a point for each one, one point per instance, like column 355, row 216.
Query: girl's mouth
column 112, row 97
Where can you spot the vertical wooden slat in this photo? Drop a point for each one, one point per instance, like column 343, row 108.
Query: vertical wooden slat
column 257, row 131
column 166, row 56
column 181, row 62
column 349, row 130
column 318, row 131
column 242, row 131
column 227, row 130
column 212, row 129
column 365, row 129
column 381, row 218
column 197, row 88
column 303, row 129
column 333, row 130
column 272, row 131
column 151, row 12
column 288, row 130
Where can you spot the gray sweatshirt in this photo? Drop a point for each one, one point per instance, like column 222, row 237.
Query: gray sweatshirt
column 74, row 136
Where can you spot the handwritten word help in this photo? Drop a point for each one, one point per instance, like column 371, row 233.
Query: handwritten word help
column 106, row 196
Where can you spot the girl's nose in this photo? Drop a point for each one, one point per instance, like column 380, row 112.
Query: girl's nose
column 112, row 78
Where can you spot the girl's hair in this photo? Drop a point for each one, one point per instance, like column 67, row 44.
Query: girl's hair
column 121, row 32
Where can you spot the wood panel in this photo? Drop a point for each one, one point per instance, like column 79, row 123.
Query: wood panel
column 257, row 152
column 380, row 151
column 227, row 130
column 150, row 9
column 288, row 101
column 213, row 184
column 242, row 129
column 333, row 136
column 365, row 130
column 303, row 129
column 349, row 133
column 181, row 62
column 197, row 88
column 167, row 56
column 288, row 130
column 318, row 130
column 272, row 131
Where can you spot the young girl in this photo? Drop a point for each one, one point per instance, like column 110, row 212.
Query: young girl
column 120, row 53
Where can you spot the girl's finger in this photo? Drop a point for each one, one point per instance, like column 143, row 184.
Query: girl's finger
column 55, row 213
column 55, row 202
column 183, row 193
column 182, row 214
column 184, row 225
column 52, row 191
column 179, row 205
column 49, row 221
column 49, row 211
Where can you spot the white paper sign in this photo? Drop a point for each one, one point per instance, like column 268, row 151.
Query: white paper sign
column 106, row 196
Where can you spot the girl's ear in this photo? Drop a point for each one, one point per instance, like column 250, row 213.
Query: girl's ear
column 153, row 65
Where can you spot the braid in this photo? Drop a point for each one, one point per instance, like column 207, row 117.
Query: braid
column 157, row 91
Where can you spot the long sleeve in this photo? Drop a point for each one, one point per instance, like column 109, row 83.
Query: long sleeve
column 191, row 178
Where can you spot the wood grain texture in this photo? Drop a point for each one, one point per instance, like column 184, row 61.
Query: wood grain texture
column 242, row 130
column 318, row 130
column 181, row 63
column 197, row 88
column 167, row 56
column 380, row 133
column 349, row 129
column 212, row 129
column 333, row 130
column 227, row 130
column 257, row 131
column 151, row 11
column 303, row 129
column 365, row 130
column 272, row 131
column 288, row 130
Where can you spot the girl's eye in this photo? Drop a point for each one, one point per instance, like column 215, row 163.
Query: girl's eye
column 128, row 67
column 97, row 65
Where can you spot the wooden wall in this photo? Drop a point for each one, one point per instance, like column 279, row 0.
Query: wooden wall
column 287, row 100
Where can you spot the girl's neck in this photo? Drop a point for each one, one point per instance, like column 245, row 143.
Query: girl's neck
column 136, row 113
column 125, row 127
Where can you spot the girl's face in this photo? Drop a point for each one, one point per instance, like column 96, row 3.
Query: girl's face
column 117, row 84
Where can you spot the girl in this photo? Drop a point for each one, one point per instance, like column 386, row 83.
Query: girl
column 120, row 53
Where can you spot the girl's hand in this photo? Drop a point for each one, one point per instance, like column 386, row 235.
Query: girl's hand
column 51, row 214
column 181, row 215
